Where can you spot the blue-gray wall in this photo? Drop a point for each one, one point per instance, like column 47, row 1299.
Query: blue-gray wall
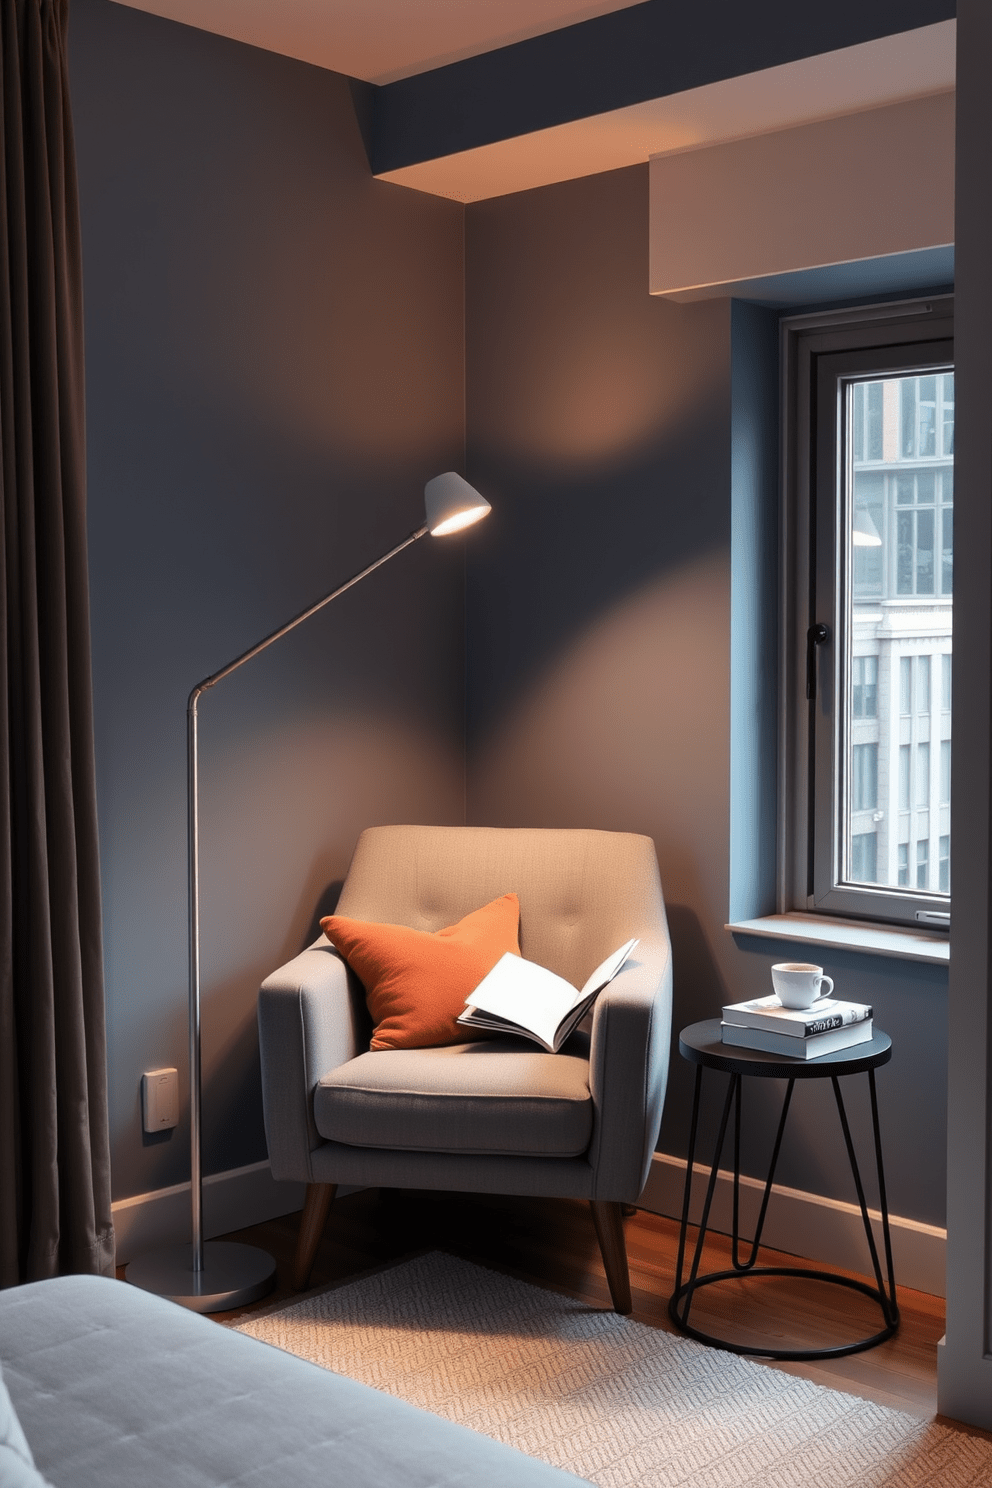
column 630, row 449
column 277, row 359
column 274, row 366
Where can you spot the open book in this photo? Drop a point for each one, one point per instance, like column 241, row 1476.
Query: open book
column 520, row 997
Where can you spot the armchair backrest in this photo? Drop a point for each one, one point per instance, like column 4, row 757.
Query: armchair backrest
column 582, row 893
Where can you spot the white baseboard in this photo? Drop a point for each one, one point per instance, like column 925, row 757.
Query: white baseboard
column 231, row 1201
column 803, row 1224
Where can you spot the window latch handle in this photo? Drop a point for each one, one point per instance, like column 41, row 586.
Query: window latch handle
column 815, row 636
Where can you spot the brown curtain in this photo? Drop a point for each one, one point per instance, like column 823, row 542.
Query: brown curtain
column 54, row 1146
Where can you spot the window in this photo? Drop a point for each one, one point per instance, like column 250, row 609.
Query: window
column 922, row 863
column 864, row 791
column 905, row 684
column 923, row 775
column 923, row 684
column 904, row 777
column 864, row 689
column 868, row 568
column 864, row 857
column 924, row 518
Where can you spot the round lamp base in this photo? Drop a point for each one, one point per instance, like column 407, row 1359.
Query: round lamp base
column 232, row 1276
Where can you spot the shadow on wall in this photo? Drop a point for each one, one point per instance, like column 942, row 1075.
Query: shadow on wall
column 232, row 1081
column 699, row 992
column 561, row 553
column 327, row 903
column 628, row 730
column 281, row 811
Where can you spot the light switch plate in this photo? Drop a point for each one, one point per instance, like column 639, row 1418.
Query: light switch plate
column 160, row 1099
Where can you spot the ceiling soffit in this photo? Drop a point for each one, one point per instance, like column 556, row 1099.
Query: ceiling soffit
column 646, row 52
column 601, row 91
column 894, row 69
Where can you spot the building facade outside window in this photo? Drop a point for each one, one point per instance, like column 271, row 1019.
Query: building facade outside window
column 869, row 570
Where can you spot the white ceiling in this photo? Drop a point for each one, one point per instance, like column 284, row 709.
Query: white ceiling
column 379, row 40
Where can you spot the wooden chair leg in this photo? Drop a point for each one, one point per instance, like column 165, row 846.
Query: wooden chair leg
column 315, row 1207
column 608, row 1219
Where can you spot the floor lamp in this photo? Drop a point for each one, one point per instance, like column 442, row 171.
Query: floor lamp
column 220, row 1274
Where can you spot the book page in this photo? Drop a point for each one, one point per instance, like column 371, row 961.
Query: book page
column 523, row 992
column 607, row 970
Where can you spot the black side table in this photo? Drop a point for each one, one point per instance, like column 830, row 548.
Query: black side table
column 701, row 1045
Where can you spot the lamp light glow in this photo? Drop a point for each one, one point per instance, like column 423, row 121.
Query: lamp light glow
column 457, row 523
column 864, row 533
column 451, row 504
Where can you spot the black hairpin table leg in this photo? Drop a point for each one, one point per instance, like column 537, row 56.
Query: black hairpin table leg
column 701, row 1044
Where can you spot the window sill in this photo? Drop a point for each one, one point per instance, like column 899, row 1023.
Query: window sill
column 849, row 935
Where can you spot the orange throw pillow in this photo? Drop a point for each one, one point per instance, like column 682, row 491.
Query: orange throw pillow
column 415, row 981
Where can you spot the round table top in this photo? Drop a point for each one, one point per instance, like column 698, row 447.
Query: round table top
column 700, row 1043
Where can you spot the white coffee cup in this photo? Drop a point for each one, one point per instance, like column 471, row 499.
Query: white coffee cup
column 798, row 984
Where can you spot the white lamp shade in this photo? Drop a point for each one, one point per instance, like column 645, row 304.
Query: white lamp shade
column 451, row 504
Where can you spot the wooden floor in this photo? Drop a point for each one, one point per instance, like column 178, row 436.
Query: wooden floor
column 552, row 1243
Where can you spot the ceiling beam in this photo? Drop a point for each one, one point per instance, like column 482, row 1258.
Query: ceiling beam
column 647, row 51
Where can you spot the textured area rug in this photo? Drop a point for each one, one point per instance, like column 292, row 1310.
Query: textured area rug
column 612, row 1400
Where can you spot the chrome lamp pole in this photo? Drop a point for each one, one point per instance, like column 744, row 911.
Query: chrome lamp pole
column 220, row 1274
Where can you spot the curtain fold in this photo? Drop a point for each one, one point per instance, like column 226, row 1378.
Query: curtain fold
column 54, row 1144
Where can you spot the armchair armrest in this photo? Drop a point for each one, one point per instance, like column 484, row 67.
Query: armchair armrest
column 308, row 1023
column 628, row 1070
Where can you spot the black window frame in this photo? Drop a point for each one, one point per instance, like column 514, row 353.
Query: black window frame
column 821, row 353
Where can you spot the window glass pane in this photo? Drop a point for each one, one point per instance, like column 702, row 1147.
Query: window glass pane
column 907, row 390
column 869, row 525
column 904, row 777
column 923, row 684
column 871, row 686
column 923, row 774
column 864, row 857
column 927, row 416
column 924, row 552
column 944, row 866
column 864, row 687
column 873, row 422
column 864, row 786
column 904, row 553
column 896, row 503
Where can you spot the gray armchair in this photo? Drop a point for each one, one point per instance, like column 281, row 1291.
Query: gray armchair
column 498, row 1115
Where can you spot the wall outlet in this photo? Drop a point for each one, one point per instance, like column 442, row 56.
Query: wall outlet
column 160, row 1099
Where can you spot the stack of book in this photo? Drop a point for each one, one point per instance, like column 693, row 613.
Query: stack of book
column 802, row 1033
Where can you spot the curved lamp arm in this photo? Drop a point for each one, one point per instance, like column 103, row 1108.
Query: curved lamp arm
column 451, row 504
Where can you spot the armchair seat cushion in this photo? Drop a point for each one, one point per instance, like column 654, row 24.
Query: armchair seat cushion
column 492, row 1097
